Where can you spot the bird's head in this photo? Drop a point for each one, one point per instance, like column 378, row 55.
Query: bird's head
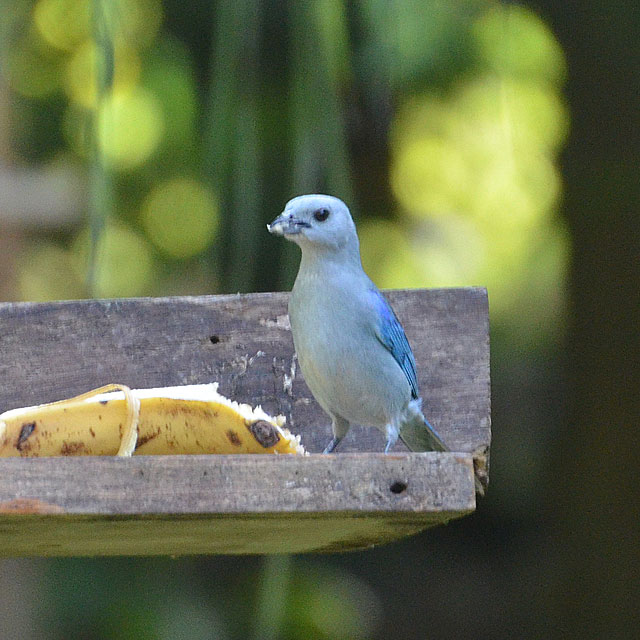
column 317, row 222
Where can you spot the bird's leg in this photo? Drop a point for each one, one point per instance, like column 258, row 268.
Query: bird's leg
column 392, row 437
column 339, row 426
column 332, row 445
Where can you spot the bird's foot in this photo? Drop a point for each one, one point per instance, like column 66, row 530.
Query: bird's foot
column 335, row 441
column 392, row 438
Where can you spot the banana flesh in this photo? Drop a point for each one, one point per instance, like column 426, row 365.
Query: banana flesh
column 116, row 420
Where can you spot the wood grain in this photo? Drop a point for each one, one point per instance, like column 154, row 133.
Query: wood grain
column 234, row 504
column 56, row 350
column 152, row 505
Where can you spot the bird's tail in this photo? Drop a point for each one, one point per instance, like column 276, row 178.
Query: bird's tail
column 419, row 435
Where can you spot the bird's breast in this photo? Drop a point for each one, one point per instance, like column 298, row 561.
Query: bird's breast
column 345, row 366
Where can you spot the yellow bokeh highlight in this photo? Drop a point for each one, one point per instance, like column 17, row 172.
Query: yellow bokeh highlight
column 492, row 109
column 63, row 23
column 46, row 272
column 474, row 169
column 447, row 252
column 130, row 126
column 513, row 41
column 124, row 261
column 425, row 162
column 483, row 154
column 180, row 217
column 451, row 252
column 138, row 21
column 81, row 77
column 387, row 255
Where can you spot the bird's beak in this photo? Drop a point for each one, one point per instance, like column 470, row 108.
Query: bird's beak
column 287, row 224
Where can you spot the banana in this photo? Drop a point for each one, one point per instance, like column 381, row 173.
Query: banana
column 116, row 420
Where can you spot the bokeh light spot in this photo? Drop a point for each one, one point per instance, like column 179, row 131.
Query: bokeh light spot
column 124, row 264
column 474, row 169
column 180, row 217
column 429, row 173
column 513, row 40
column 138, row 21
column 63, row 23
column 131, row 125
column 386, row 255
column 48, row 272
column 80, row 76
column 66, row 23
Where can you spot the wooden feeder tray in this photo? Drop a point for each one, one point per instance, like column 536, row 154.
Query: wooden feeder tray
column 233, row 504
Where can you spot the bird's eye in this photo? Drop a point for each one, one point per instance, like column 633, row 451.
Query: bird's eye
column 321, row 214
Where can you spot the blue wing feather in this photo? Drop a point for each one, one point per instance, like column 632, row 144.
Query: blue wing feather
column 392, row 336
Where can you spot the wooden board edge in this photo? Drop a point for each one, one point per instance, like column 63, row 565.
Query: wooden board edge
column 143, row 485
column 62, row 535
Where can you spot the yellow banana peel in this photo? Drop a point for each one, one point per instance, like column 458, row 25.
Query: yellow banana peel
column 116, row 420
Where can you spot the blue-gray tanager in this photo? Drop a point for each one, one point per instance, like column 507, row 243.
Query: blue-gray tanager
column 352, row 349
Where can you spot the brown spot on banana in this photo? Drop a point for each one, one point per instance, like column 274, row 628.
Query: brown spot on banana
column 265, row 433
column 27, row 429
column 149, row 436
column 73, row 448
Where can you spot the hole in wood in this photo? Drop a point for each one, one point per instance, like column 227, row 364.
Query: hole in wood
column 214, row 339
column 398, row 487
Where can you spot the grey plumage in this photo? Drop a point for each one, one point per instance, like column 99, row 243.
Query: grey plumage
column 352, row 349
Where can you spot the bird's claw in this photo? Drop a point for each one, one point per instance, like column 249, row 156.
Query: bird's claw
column 332, row 445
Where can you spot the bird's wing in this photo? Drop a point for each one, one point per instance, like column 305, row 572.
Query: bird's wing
column 391, row 334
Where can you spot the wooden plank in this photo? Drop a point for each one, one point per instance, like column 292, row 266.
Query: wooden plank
column 56, row 350
column 151, row 505
column 234, row 504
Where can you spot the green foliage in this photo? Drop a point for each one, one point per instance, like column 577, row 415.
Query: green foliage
column 472, row 153
column 439, row 122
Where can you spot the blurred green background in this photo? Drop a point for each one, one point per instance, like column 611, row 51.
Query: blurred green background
column 144, row 145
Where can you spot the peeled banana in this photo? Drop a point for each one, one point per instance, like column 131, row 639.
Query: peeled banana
column 116, row 420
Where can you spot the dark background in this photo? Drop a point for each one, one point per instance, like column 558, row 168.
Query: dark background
column 477, row 143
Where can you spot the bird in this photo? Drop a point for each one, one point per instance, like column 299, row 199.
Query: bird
column 351, row 347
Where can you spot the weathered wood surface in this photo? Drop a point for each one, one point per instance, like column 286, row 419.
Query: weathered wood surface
column 226, row 504
column 55, row 350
